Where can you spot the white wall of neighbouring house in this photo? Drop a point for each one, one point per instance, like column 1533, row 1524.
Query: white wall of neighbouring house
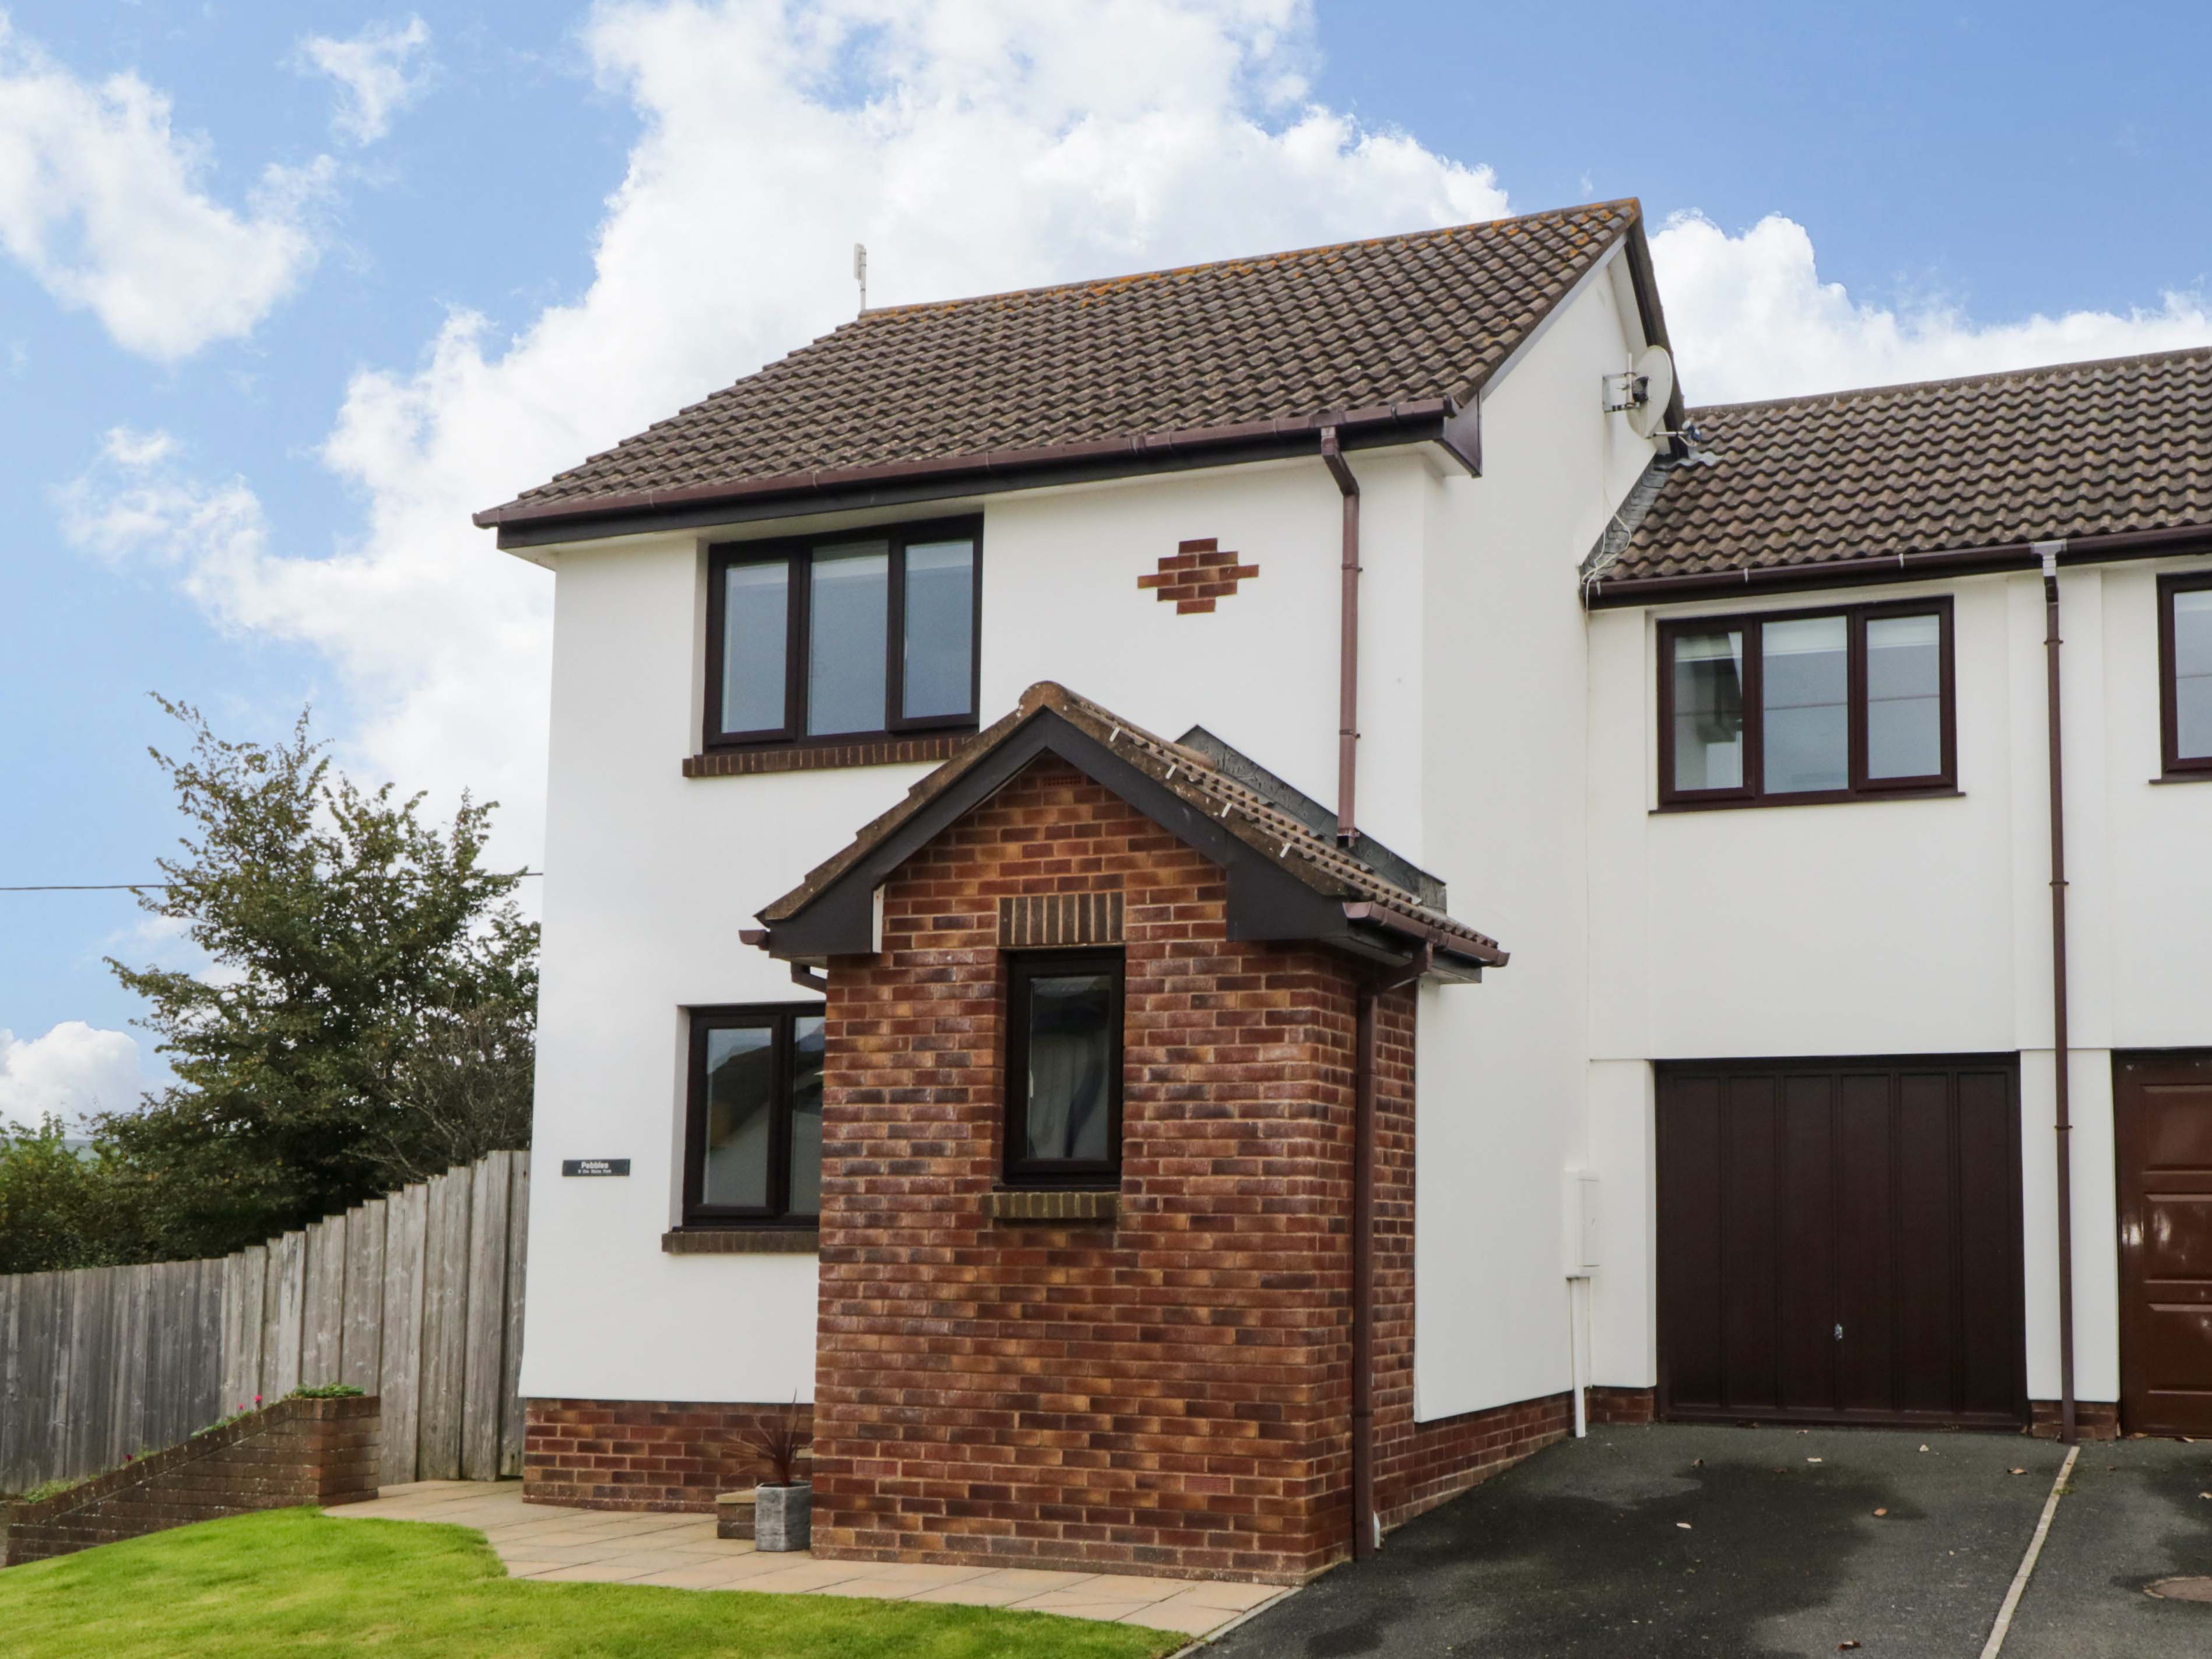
column 1501, row 1086
column 1911, row 927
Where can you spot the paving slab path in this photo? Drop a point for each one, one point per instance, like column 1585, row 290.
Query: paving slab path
column 1758, row 1543
column 558, row 1544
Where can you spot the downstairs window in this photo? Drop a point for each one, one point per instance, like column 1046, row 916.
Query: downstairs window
column 753, row 1126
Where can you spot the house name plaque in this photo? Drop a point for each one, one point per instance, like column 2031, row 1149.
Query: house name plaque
column 594, row 1166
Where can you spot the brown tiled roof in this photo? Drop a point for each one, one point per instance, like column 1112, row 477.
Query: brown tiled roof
column 1357, row 326
column 1314, row 860
column 2082, row 449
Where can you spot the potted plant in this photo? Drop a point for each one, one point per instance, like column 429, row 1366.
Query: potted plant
column 783, row 1506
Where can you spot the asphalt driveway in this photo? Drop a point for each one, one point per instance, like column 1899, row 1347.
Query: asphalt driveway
column 1755, row 1543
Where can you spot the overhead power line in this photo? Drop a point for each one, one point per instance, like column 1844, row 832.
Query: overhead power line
column 131, row 886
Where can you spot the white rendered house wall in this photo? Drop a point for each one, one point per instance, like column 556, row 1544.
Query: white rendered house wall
column 1502, row 1066
column 651, row 876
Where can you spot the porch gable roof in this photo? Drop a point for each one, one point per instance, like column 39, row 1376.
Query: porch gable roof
column 1285, row 882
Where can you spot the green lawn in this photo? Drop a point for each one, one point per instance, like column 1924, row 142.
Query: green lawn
column 297, row 1582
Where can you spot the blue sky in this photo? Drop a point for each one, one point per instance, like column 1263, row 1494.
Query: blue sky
column 274, row 315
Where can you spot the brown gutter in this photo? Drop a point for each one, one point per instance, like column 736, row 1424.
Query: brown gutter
column 2049, row 553
column 1894, row 566
column 1347, row 642
column 1365, row 1535
column 1415, row 420
column 802, row 974
column 1485, row 951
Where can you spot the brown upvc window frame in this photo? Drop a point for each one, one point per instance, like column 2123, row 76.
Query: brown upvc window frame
column 1752, row 792
column 1022, row 969
column 781, row 1018
column 797, row 552
column 2174, row 764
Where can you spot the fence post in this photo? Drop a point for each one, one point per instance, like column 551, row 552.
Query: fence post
column 322, row 1326
column 484, row 1369
column 518, row 1250
column 399, row 1360
column 288, row 1294
column 360, row 1350
column 445, row 1330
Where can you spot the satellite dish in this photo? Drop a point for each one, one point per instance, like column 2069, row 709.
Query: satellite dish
column 1654, row 371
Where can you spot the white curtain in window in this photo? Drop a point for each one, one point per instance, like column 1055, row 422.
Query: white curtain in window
column 1067, row 1095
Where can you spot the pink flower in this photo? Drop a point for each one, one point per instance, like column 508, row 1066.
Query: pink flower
column 256, row 1398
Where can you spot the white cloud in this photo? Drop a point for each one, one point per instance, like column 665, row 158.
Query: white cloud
column 104, row 203
column 380, row 72
column 974, row 145
column 127, row 446
column 1750, row 318
column 73, row 1071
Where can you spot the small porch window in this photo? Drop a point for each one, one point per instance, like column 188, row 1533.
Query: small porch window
column 753, row 1129
column 1064, row 1068
column 2185, row 638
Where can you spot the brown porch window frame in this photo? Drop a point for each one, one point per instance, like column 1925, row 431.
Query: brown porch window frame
column 1753, row 792
column 1023, row 968
column 2176, row 764
column 797, row 553
column 781, row 1020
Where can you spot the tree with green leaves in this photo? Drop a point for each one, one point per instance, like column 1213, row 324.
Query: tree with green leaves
column 59, row 1202
column 370, row 1015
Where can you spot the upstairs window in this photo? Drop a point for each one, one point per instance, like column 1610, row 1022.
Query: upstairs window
column 865, row 634
column 2184, row 640
column 1806, row 706
column 753, row 1130
column 1064, row 1068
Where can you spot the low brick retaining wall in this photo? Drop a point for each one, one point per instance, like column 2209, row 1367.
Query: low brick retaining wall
column 294, row 1453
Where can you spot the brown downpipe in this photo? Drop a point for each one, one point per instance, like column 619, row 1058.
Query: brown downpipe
column 1372, row 989
column 1347, row 652
column 2062, row 1118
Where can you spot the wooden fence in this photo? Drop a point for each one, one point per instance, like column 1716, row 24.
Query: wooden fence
column 415, row 1298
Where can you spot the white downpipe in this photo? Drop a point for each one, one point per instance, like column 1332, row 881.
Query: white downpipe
column 1577, row 1328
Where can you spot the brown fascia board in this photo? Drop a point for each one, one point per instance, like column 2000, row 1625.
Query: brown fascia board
column 1441, row 421
column 2172, row 541
column 1653, row 315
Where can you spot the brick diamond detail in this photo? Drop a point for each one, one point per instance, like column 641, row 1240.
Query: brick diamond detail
column 1197, row 573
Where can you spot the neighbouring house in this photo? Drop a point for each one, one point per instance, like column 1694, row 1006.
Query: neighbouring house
column 1168, row 905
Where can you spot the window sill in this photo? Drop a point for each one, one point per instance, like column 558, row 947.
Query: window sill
column 741, row 1241
column 1057, row 1204
column 1822, row 799
column 2183, row 777
column 892, row 750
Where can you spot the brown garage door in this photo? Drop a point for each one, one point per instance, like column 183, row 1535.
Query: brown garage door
column 2162, row 1107
column 1840, row 1241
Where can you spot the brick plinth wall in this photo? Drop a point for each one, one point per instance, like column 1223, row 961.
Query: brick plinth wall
column 2094, row 1420
column 1163, row 1389
column 294, row 1453
column 1611, row 1406
column 673, row 1455
column 1421, row 1465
